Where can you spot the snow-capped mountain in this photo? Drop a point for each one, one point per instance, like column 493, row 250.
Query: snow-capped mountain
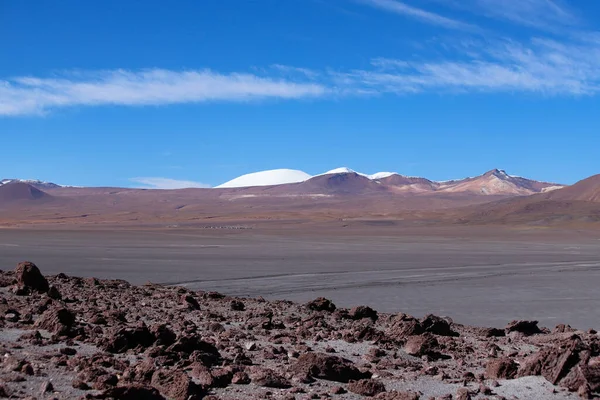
column 267, row 178
column 494, row 182
column 33, row 182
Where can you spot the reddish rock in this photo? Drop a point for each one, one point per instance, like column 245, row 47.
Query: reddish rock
column 397, row 396
column 337, row 390
column 463, row 394
column 321, row 304
column 164, row 335
column 56, row 320
column 106, row 381
column 202, row 350
column 556, row 362
column 132, row 392
column 362, row 312
column 240, row 378
column 422, row 345
column 79, row 384
column 128, row 338
column 403, row 326
column 562, row 328
column 266, row 377
column 29, row 276
column 524, row 327
column 366, row 387
column 141, row 372
column 328, row 367
column 221, row 377
column 175, row 385
column 53, row 293
column 237, row 305
column 437, row 326
column 47, row 387
column 492, row 332
column 190, row 302
column 501, row 368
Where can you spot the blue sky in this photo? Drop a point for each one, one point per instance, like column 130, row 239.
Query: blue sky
column 162, row 94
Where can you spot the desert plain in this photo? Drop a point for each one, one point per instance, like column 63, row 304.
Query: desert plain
column 475, row 275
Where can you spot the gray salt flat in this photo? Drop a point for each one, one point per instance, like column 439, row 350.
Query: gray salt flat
column 474, row 281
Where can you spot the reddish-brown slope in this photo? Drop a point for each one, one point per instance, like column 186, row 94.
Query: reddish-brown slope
column 585, row 190
column 346, row 183
column 18, row 191
column 578, row 203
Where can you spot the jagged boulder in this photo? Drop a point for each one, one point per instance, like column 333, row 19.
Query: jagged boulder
column 328, row 367
column 366, row 387
column 29, row 277
column 321, row 304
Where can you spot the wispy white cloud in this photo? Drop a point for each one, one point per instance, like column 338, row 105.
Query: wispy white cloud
column 545, row 14
column 420, row 14
column 294, row 71
column 166, row 183
column 388, row 63
column 31, row 95
column 540, row 66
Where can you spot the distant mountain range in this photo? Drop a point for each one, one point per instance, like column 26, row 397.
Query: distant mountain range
column 494, row 182
column 35, row 183
column 494, row 197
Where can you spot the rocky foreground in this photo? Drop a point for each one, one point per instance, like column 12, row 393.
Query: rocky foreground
column 66, row 337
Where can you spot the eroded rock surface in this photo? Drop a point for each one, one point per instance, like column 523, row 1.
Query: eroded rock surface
column 68, row 337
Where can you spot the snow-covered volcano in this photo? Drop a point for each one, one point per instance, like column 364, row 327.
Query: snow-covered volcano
column 267, row 178
column 495, row 182
column 285, row 176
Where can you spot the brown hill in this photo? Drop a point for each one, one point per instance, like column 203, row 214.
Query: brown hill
column 19, row 191
column 574, row 204
column 345, row 183
column 408, row 183
column 585, row 190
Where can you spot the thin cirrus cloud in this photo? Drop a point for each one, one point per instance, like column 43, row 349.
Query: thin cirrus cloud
column 420, row 14
column 166, row 183
column 544, row 14
column 541, row 66
column 34, row 95
column 566, row 64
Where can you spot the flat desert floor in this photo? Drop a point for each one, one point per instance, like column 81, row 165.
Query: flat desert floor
column 481, row 278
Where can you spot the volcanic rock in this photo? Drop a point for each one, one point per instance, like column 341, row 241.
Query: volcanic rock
column 163, row 334
column 567, row 364
column 237, row 305
column 141, row 372
column 204, row 351
column 129, row 338
column 47, row 387
column 366, row 387
column 266, row 377
column 397, row 396
column 56, row 320
column 437, row 326
column 422, row 345
column 132, row 392
column 362, row 312
column 463, row 394
column 524, row 327
column 240, row 378
column 321, row 304
column 190, row 302
column 403, row 326
column 501, row 368
column 324, row 366
column 29, row 276
column 175, row 385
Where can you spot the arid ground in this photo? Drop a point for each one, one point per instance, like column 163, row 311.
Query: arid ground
column 481, row 276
